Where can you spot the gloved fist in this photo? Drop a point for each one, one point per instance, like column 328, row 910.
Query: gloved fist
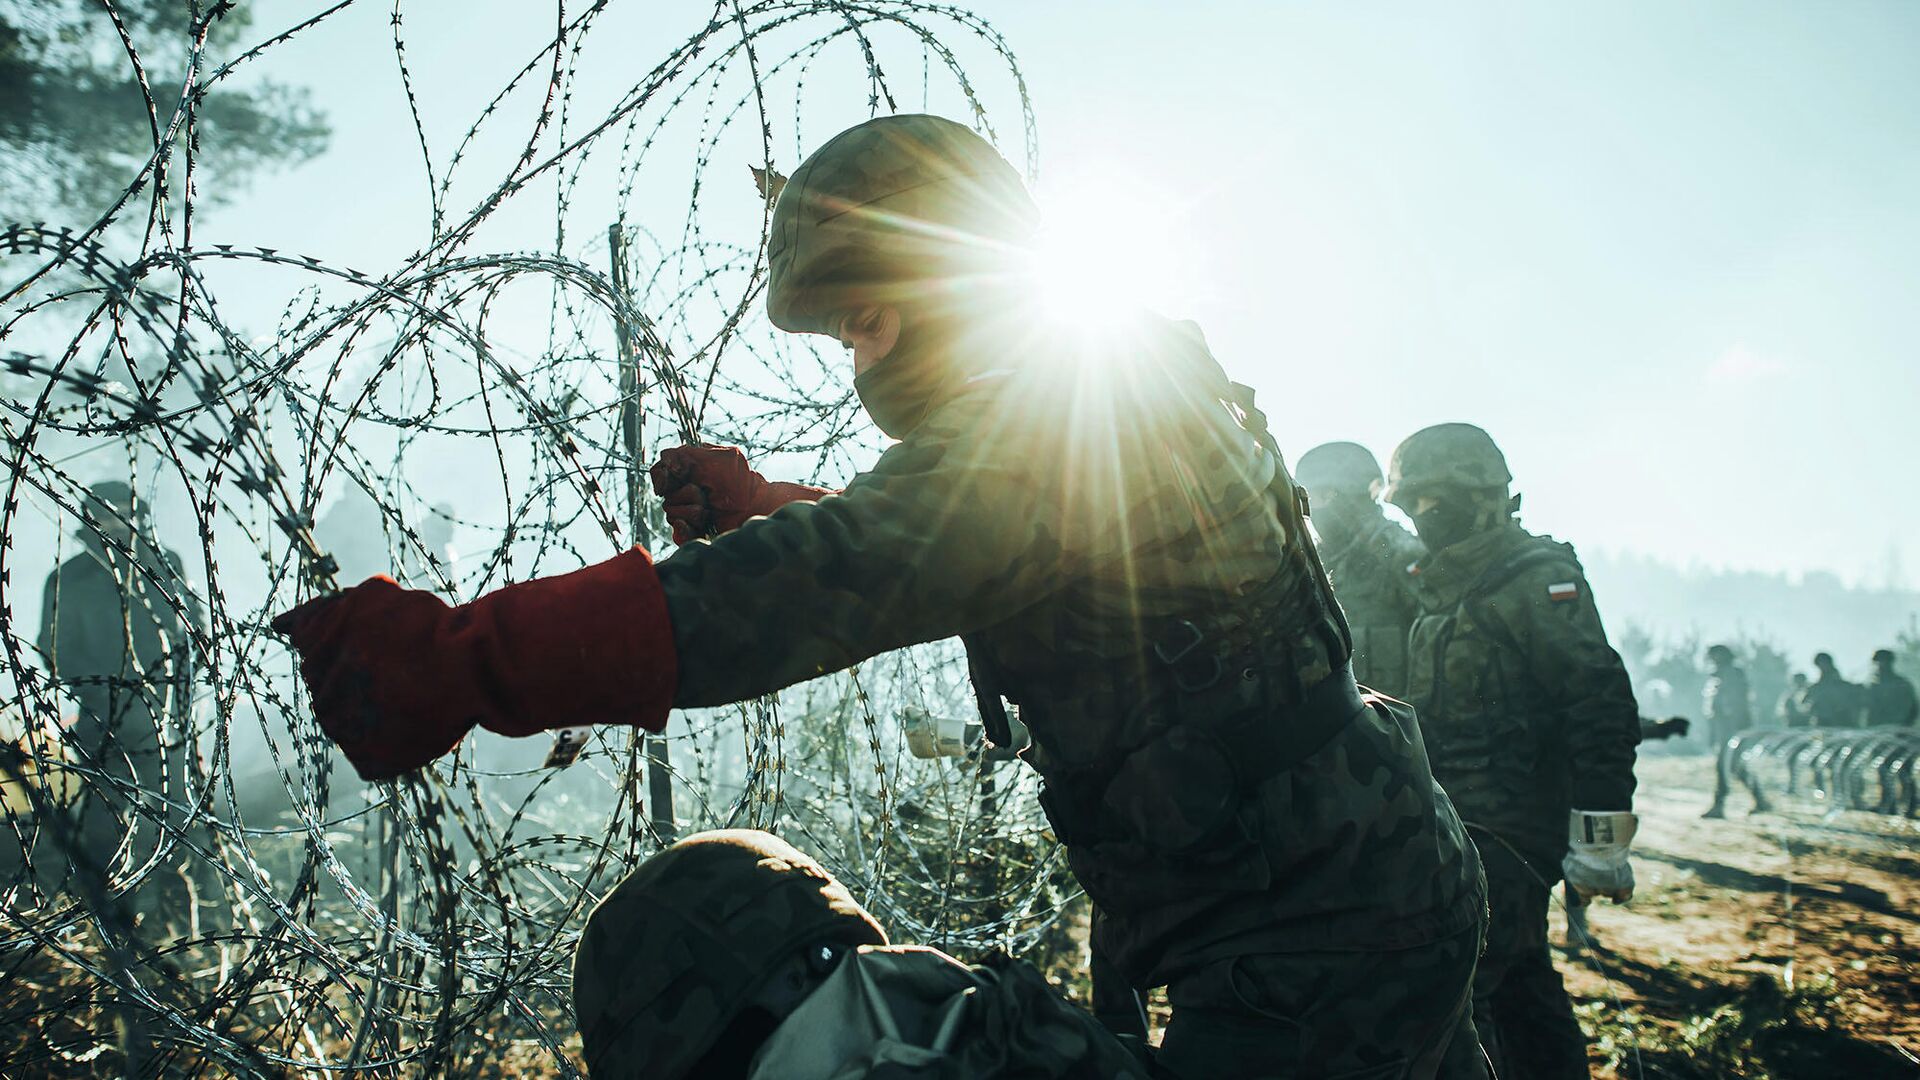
column 365, row 703
column 1596, row 862
column 707, row 490
column 398, row 677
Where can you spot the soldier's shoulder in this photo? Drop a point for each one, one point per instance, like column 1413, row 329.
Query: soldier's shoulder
column 1539, row 568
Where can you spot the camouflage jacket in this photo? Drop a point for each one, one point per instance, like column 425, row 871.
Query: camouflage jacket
column 1369, row 567
column 1728, row 703
column 902, row 1011
column 1086, row 523
column 1527, row 709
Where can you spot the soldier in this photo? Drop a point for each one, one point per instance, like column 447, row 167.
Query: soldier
column 116, row 623
column 731, row 955
column 1831, row 701
column 1791, row 709
column 1367, row 558
column 1106, row 524
column 1890, row 697
column 1728, row 704
column 1531, row 724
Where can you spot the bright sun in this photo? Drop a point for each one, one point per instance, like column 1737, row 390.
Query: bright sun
column 1108, row 245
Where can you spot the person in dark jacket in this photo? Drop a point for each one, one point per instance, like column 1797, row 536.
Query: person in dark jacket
column 1531, row 725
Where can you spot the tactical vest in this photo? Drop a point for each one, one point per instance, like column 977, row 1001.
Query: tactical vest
column 1492, row 743
column 1152, row 735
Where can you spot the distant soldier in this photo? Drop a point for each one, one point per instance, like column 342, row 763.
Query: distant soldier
column 1728, row 703
column 1831, row 700
column 1891, row 701
column 1791, row 709
column 733, row 956
column 1531, row 725
column 1367, row 556
column 115, row 626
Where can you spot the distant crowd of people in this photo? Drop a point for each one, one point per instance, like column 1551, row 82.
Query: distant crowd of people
column 1829, row 700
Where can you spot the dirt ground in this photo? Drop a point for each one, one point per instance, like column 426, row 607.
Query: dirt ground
column 1776, row 945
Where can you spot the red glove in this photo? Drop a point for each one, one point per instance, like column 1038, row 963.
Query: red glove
column 399, row 678
column 710, row 490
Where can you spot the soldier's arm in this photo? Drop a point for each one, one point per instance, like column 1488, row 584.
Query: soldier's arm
column 945, row 535
column 1551, row 611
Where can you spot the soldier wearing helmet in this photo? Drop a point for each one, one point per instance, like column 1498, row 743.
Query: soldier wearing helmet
column 733, row 955
column 1106, row 524
column 1367, row 558
column 1728, row 704
column 116, row 623
column 1832, row 700
column 1531, row 725
column 1890, row 697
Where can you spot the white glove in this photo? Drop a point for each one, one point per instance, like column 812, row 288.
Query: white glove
column 1596, row 862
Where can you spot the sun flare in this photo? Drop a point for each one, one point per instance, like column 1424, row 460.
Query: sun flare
column 1108, row 245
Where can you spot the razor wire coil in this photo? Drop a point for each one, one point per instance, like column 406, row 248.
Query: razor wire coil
column 191, row 881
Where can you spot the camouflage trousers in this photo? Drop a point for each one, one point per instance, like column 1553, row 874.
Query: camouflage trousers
column 1349, row 1015
column 1520, row 1005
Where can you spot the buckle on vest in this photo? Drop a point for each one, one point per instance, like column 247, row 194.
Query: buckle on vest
column 1172, row 657
column 1183, row 681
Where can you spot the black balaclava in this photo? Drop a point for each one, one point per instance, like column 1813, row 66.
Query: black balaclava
column 1446, row 523
column 1459, row 513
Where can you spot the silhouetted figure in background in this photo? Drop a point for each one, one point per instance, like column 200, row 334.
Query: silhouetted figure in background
column 115, row 625
column 1791, row 709
column 1891, row 701
column 1728, row 703
column 1366, row 556
column 1831, row 700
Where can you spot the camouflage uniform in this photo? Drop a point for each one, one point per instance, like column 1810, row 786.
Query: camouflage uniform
column 1528, row 714
column 1118, row 545
column 731, row 954
column 1367, row 558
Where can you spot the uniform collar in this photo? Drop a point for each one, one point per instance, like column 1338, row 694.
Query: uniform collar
column 1450, row 571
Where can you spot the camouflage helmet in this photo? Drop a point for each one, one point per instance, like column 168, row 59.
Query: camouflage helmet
column 1338, row 466
column 897, row 201
column 674, row 952
column 1445, row 455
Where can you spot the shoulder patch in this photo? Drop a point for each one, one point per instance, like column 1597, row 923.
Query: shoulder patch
column 1561, row 591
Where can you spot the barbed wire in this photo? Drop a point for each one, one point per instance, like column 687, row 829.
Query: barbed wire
column 191, row 879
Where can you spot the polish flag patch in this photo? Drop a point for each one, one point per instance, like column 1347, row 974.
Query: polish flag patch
column 1563, row 591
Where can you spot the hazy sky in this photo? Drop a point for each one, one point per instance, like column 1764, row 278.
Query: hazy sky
column 1669, row 255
